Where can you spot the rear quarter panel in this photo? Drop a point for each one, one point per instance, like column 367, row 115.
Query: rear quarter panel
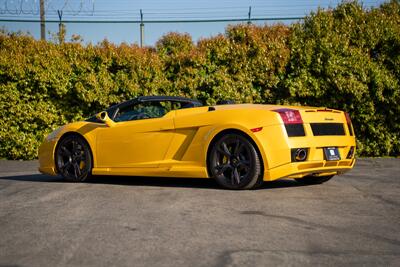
column 201, row 127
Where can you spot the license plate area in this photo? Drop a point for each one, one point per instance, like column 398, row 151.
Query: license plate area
column 331, row 153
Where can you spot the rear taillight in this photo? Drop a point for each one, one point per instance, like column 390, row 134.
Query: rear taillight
column 349, row 125
column 350, row 154
column 290, row 116
column 292, row 120
column 347, row 117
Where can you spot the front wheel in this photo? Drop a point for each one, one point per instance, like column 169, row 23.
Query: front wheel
column 73, row 158
column 314, row 179
column 234, row 162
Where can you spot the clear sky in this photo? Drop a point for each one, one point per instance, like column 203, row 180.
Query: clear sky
column 118, row 10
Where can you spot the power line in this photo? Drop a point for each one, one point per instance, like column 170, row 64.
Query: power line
column 80, row 14
column 21, row 9
column 157, row 21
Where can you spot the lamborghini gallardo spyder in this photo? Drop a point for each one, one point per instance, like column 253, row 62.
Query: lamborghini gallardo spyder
column 238, row 145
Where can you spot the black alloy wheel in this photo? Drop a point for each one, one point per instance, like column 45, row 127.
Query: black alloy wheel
column 314, row 179
column 73, row 158
column 234, row 162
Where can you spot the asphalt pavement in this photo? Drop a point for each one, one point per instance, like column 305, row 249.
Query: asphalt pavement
column 352, row 220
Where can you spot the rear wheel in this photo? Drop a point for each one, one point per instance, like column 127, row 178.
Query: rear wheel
column 73, row 158
column 314, row 179
column 234, row 162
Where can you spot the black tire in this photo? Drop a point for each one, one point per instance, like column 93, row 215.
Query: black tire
column 73, row 158
column 314, row 179
column 234, row 162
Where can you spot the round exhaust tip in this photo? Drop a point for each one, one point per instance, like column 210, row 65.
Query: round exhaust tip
column 301, row 154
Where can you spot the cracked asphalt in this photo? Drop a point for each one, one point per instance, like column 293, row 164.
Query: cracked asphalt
column 352, row 220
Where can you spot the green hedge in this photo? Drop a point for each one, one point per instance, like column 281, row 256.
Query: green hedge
column 346, row 58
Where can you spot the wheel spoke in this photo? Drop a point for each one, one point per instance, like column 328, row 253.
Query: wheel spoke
column 65, row 152
column 238, row 148
column 65, row 167
column 235, row 176
column 77, row 169
column 74, row 146
column 244, row 166
column 81, row 156
column 222, row 168
column 224, row 150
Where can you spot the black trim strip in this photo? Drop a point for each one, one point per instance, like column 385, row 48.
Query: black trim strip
column 320, row 129
column 295, row 130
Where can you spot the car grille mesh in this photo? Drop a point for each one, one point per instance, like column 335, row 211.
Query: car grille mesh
column 319, row 129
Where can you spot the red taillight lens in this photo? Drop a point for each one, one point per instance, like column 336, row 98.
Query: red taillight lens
column 290, row 116
column 348, row 118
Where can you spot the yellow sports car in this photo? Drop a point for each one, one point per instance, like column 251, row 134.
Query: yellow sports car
column 239, row 145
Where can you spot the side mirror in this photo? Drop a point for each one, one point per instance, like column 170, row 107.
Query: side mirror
column 103, row 116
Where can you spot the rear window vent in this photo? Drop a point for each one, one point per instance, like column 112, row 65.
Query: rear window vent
column 327, row 129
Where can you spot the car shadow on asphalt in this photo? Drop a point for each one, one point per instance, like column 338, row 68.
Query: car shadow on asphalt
column 148, row 181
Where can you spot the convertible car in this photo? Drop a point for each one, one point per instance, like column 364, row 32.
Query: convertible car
column 238, row 145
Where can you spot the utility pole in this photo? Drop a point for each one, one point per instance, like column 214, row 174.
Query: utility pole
column 61, row 29
column 141, row 29
column 42, row 21
column 249, row 21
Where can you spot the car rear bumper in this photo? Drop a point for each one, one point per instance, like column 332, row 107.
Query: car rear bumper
column 316, row 168
column 276, row 150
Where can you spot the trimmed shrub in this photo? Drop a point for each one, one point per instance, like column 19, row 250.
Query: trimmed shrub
column 349, row 59
column 346, row 58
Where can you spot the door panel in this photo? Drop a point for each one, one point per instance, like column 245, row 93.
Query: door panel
column 139, row 143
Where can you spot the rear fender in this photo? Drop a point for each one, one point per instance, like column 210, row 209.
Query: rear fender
column 210, row 136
